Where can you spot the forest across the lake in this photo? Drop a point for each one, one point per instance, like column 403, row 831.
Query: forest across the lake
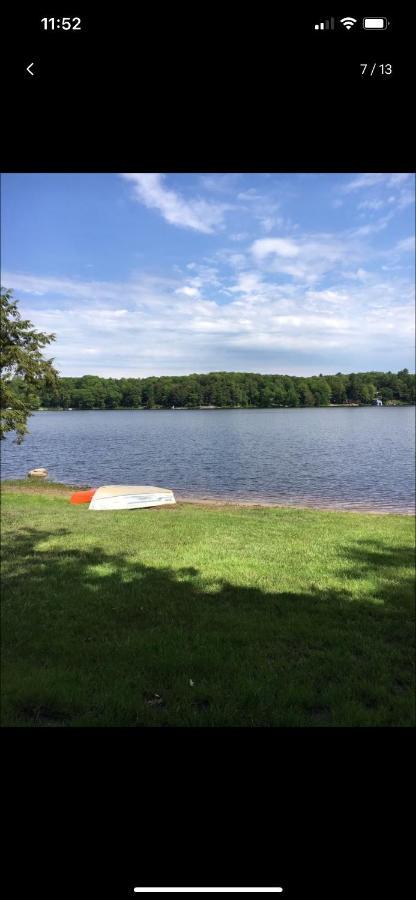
column 227, row 390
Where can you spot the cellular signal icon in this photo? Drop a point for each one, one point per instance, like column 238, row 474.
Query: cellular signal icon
column 327, row 25
column 348, row 22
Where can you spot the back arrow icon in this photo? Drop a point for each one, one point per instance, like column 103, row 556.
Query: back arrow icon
column 28, row 68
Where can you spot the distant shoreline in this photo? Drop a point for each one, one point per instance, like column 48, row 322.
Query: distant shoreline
column 221, row 408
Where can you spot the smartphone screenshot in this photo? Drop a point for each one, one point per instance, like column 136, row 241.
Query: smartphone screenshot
column 207, row 424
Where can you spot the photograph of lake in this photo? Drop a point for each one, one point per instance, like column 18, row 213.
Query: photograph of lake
column 208, row 450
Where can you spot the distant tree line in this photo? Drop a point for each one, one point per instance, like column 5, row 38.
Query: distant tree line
column 226, row 389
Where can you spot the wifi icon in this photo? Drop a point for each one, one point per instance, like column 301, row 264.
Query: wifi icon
column 348, row 22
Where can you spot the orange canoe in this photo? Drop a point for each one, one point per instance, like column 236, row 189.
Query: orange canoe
column 83, row 496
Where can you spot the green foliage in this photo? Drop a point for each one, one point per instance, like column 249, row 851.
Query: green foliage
column 229, row 389
column 306, row 396
column 23, row 370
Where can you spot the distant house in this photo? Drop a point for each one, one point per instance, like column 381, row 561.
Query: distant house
column 377, row 402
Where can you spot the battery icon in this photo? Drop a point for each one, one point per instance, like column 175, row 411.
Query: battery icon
column 375, row 24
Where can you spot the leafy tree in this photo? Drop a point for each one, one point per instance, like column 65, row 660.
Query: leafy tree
column 132, row 393
column 306, row 396
column 321, row 390
column 112, row 398
column 279, row 398
column 192, row 392
column 368, row 393
column 21, row 358
column 266, row 395
column 354, row 388
column 149, row 395
column 386, row 394
column 292, row 397
column 227, row 389
column 337, row 385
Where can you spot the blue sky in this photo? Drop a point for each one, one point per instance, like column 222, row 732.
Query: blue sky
column 156, row 274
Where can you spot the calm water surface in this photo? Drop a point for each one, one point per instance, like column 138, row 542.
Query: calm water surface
column 357, row 458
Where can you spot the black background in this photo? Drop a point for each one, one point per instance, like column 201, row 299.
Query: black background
column 320, row 811
column 200, row 91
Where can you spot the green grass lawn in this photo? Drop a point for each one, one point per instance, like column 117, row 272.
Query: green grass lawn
column 204, row 615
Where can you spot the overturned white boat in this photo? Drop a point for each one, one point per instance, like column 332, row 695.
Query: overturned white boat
column 127, row 496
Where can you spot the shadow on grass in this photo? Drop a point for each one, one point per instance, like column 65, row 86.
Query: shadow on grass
column 94, row 638
column 376, row 560
column 370, row 554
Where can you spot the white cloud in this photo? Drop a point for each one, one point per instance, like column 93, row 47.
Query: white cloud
column 397, row 202
column 372, row 204
column 371, row 227
column 209, row 316
column 237, row 259
column 369, row 179
column 198, row 214
column 406, row 198
column 271, row 286
column 247, row 283
column 239, row 236
column 250, row 195
column 268, row 223
column 188, row 291
column 328, row 296
column 406, row 245
column 309, row 257
column 280, row 246
column 220, row 182
column 205, row 275
column 358, row 274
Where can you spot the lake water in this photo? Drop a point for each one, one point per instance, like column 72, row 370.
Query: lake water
column 357, row 458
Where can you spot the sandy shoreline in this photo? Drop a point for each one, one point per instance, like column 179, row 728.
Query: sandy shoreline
column 264, row 504
column 216, row 502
